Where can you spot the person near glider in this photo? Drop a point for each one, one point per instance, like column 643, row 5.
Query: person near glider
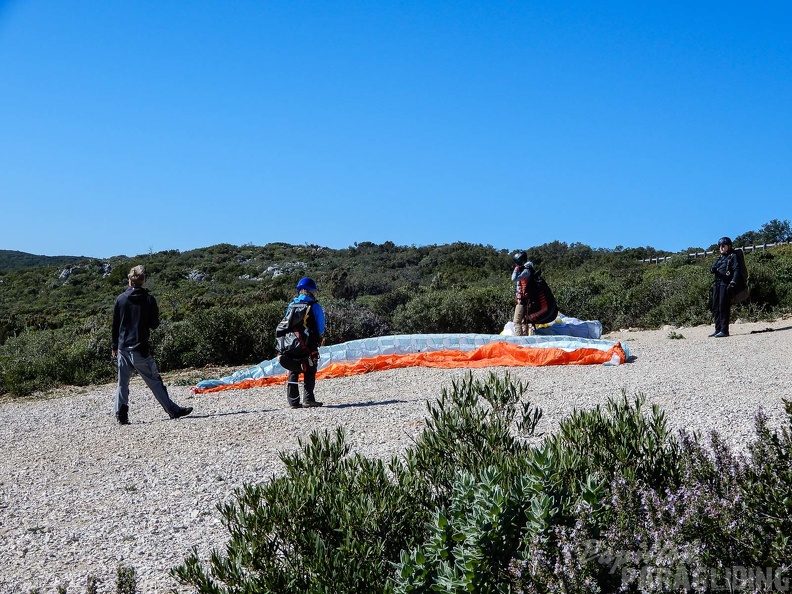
column 727, row 281
column 308, row 334
column 135, row 314
column 521, row 276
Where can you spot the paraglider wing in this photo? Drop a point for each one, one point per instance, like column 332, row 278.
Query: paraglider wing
column 433, row 350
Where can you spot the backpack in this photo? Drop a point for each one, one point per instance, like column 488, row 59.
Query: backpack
column 743, row 291
column 543, row 308
column 291, row 333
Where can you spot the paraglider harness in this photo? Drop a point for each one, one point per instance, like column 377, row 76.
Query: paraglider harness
column 291, row 334
column 537, row 295
column 742, row 291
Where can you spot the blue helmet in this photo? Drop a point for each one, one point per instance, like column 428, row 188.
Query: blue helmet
column 307, row 283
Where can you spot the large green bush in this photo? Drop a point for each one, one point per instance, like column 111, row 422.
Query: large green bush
column 336, row 522
column 613, row 502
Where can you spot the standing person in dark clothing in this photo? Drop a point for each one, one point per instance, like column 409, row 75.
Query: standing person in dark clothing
column 310, row 335
column 521, row 276
column 727, row 282
column 135, row 314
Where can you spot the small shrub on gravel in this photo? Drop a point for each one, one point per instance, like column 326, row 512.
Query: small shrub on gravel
column 92, row 585
column 617, row 440
column 126, row 582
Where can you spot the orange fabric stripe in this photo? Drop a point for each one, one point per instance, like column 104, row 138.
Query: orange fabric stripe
column 494, row 354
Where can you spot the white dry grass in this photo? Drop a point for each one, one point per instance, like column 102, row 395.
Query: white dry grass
column 80, row 495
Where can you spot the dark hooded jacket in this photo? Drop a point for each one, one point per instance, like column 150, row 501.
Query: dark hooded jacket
column 727, row 270
column 135, row 314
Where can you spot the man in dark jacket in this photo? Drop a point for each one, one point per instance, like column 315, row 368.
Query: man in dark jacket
column 135, row 314
column 727, row 282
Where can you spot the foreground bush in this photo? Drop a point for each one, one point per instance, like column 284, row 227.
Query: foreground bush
column 336, row 522
column 473, row 507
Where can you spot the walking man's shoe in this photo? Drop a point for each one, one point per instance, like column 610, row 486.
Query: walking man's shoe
column 721, row 335
column 122, row 416
column 181, row 411
column 298, row 405
column 713, row 335
column 311, row 403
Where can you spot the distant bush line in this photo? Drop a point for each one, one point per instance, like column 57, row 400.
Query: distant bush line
column 219, row 305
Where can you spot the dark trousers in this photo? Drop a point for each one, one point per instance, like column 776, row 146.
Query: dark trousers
column 721, row 306
column 295, row 368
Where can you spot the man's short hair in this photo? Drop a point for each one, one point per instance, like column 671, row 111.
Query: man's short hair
column 137, row 276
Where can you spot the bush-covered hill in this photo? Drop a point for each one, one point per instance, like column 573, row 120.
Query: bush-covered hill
column 219, row 305
column 13, row 260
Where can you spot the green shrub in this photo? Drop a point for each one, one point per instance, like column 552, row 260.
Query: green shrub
column 336, row 522
column 126, row 582
column 479, row 310
column 332, row 523
column 727, row 511
column 348, row 320
column 474, row 508
column 42, row 360
column 472, row 542
column 618, row 440
column 218, row 337
column 469, row 429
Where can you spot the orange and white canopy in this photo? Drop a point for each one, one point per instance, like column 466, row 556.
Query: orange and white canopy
column 433, row 350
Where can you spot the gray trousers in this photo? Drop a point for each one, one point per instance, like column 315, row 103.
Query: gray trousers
column 130, row 361
column 522, row 327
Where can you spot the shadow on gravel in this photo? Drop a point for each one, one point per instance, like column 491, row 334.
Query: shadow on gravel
column 369, row 403
column 771, row 330
column 225, row 414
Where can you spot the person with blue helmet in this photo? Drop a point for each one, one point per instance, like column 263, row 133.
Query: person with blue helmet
column 314, row 334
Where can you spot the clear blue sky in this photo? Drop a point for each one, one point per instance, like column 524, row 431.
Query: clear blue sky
column 129, row 126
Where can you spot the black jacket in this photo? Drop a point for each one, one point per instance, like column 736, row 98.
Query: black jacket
column 134, row 315
column 727, row 270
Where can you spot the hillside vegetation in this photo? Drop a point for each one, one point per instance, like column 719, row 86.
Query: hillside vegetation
column 13, row 260
column 219, row 305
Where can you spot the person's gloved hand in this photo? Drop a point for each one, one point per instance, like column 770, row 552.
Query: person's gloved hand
column 731, row 289
column 315, row 357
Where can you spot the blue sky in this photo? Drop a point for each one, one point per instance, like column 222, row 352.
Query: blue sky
column 135, row 126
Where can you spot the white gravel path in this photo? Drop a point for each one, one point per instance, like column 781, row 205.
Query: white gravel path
column 80, row 495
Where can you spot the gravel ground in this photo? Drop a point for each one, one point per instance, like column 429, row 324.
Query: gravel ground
column 80, row 495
